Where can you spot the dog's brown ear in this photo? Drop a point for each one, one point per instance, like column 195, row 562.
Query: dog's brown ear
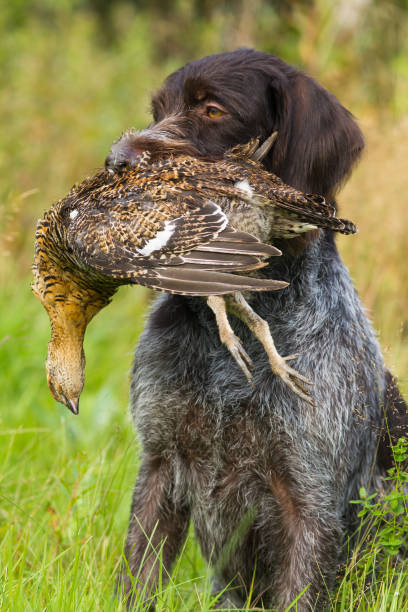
column 318, row 139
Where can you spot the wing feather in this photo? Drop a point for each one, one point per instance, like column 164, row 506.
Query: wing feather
column 190, row 253
column 186, row 281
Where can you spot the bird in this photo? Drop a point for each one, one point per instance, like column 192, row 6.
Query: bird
column 180, row 224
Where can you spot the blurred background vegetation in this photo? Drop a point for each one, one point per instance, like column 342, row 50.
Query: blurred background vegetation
column 73, row 75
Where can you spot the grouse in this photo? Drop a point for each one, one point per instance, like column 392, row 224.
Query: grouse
column 176, row 225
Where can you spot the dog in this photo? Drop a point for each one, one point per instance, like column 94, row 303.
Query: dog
column 265, row 477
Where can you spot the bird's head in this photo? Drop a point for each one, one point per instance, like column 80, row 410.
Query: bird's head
column 65, row 367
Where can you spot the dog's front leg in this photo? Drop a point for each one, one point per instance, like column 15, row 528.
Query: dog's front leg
column 157, row 529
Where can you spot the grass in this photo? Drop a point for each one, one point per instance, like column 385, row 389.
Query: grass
column 65, row 482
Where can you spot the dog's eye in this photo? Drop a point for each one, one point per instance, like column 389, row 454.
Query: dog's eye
column 213, row 112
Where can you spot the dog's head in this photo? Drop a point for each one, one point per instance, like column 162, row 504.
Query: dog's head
column 232, row 97
column 222, row 100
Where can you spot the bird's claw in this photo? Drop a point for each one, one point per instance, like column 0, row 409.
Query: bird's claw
column 292, row 378
column 240, row 355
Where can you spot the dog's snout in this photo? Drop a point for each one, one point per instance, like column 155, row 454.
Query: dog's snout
column 171, row 136
column 122, row 157
column 111, row 162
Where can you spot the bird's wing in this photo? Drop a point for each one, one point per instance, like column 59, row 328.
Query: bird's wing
column 137, row 240
column 292, row 204
column 291, row 210
column 309, row 208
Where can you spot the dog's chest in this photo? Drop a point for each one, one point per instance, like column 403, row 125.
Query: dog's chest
column 218, row 456
column 189, row 396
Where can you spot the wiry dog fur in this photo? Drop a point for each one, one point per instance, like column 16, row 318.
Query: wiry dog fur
column 266, row 478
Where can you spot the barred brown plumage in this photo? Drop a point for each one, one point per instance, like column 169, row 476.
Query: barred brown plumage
column 179, row 225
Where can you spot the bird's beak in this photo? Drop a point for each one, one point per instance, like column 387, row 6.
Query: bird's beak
column 73, row 405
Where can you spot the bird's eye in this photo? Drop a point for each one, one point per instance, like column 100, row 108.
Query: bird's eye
column 213, row 112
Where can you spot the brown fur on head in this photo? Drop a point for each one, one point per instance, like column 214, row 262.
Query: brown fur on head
column 229, row 98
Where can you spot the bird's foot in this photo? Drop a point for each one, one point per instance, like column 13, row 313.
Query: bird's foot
column 291, row 377
column 227, row 336
column 279, row 365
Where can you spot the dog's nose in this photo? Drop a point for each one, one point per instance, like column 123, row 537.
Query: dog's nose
column 112, row 163
column 121, row 158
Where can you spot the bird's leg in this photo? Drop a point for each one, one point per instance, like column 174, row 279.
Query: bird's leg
column 227, row 336
column 238, row 306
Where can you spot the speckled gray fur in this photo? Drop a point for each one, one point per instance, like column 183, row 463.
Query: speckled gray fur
column 230, row 449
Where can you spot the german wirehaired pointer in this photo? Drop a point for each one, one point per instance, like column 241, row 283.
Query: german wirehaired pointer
column 265, row 477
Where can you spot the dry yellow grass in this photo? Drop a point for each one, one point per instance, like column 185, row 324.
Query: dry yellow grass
column 376, row 198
